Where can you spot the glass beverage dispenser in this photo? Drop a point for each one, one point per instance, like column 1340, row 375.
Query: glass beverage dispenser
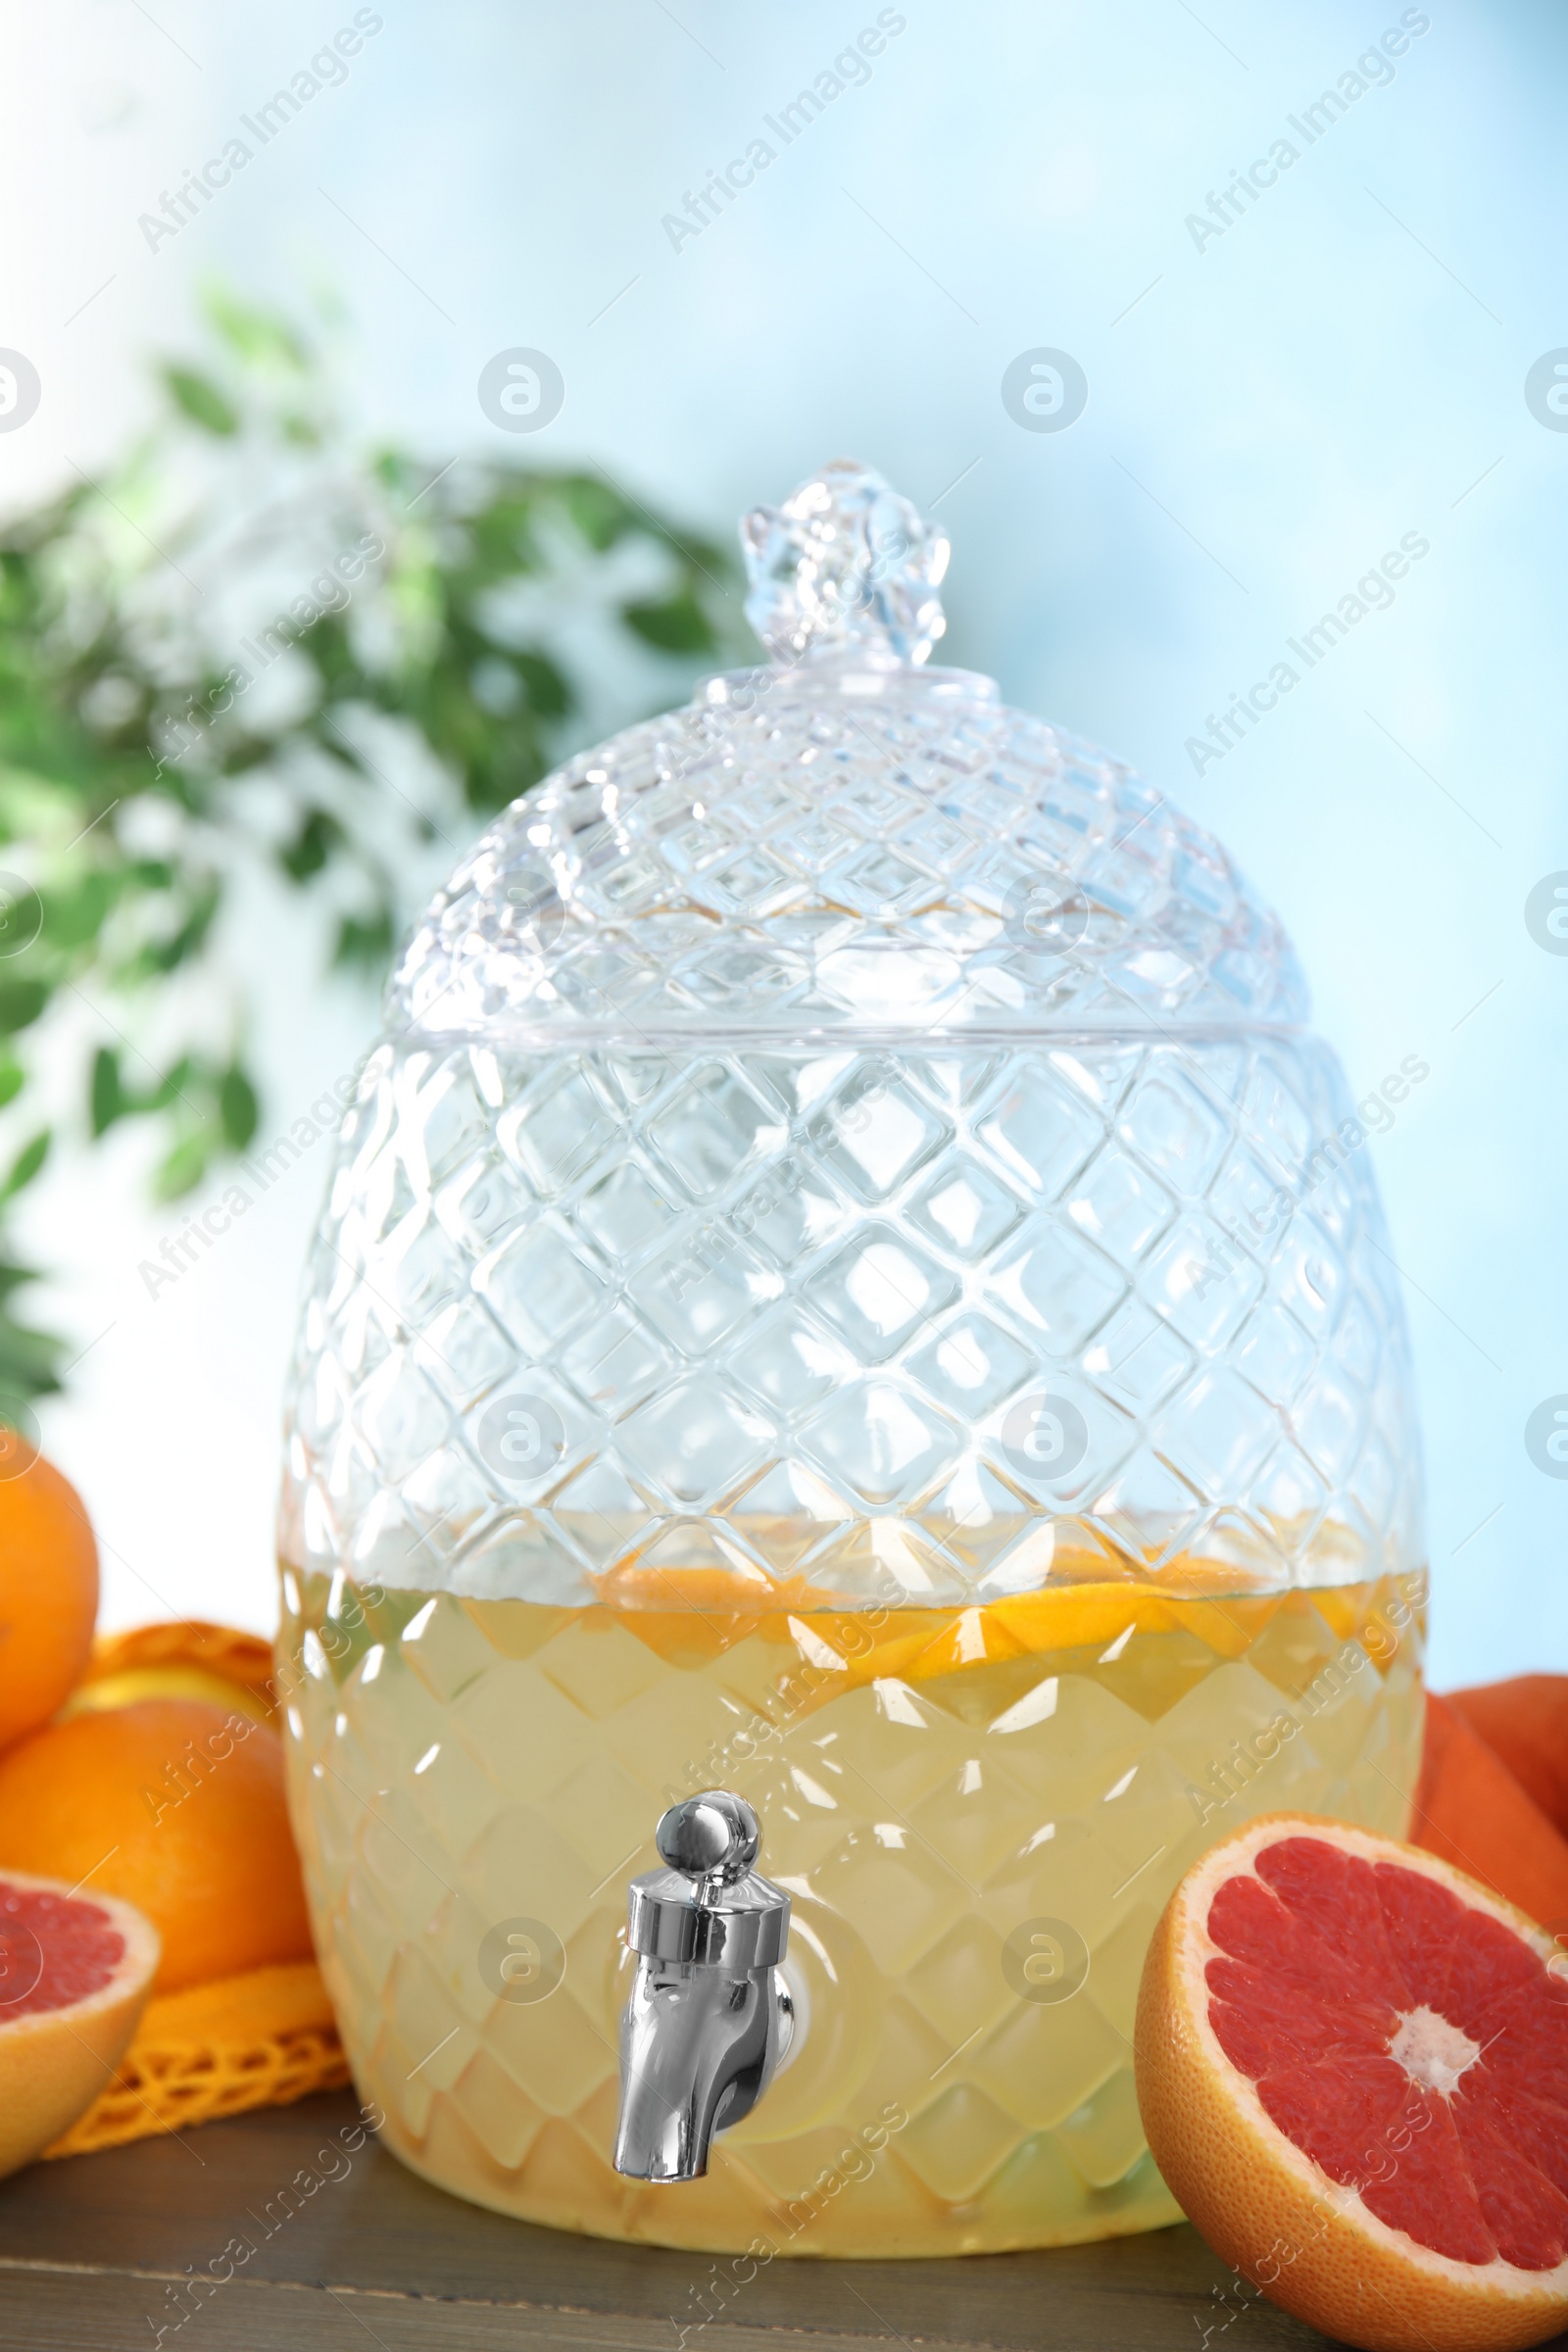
column 846, row 1281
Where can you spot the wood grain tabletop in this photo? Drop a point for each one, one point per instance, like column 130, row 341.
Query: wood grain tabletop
column 99, row 2254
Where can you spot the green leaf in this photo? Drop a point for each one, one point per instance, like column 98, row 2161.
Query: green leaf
column 676, row 625
column 30, row 1360
column 548, row 691
column 366, row 945
column 170, row 1086
column 601, row 514
column 183, row 1167
column 702, row 555
column 12, row 1078
column 25, row 1167
column 237, row 1107
column 106, row 1100
column 21, row 1002
column 318, row 837
column 75, row 915
column 169, row 953
column 256, row 336
column 201, row 400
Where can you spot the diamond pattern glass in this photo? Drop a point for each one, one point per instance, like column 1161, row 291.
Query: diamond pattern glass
column 845, row 1152
column 472, row 1762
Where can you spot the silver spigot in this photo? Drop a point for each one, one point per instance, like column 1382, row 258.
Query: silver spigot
column 710, row 2018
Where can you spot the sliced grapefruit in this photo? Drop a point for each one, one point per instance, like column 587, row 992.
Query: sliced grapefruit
column 74, row 1976
column 1352, row 2069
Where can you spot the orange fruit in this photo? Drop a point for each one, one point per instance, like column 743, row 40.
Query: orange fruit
column 1471, row 1811
column 1352, row 2071
column 74, row 1976
column 48, row 1595
column 178, row 1806
column 1525, row 1722
column 178, row 1658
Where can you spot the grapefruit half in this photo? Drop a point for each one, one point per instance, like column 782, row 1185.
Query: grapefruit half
column 1353, row 2070
column 75, row 1975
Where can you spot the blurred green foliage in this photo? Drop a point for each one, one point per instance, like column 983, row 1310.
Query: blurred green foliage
column 147, row 757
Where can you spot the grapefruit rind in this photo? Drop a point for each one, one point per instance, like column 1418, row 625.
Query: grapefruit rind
column 1261, row 2202
column 55, row 2062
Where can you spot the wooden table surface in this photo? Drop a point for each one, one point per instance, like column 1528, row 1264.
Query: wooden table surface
column 93, row 2251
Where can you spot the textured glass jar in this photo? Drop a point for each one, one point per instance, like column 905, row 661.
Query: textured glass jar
column 845, row 1278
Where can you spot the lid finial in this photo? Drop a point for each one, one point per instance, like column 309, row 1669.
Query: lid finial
column 844, row 567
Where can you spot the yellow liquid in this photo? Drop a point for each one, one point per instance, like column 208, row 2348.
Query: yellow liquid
column 931, row 1782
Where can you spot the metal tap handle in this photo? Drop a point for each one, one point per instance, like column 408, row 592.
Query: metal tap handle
column 711, row 1835
column 709, row 1906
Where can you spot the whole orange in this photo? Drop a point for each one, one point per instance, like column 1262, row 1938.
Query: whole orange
column 48, row 1595
column 175, row 1805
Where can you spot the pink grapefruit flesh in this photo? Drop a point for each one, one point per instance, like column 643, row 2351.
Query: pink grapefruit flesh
column 75, row 1975
column 1352, row 2067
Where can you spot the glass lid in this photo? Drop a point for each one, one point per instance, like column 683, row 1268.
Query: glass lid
column 849, row 1131
column 846, row 839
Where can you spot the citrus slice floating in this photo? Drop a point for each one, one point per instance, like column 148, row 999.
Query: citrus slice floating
column 1352, row 2069
column 74, row 1976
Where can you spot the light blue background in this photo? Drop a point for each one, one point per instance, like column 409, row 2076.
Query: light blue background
column 1345, row 366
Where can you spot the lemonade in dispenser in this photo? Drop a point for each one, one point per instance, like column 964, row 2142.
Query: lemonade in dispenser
column 848, row 1332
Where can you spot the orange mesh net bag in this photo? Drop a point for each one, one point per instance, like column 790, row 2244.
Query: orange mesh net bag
column 263, row 2039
